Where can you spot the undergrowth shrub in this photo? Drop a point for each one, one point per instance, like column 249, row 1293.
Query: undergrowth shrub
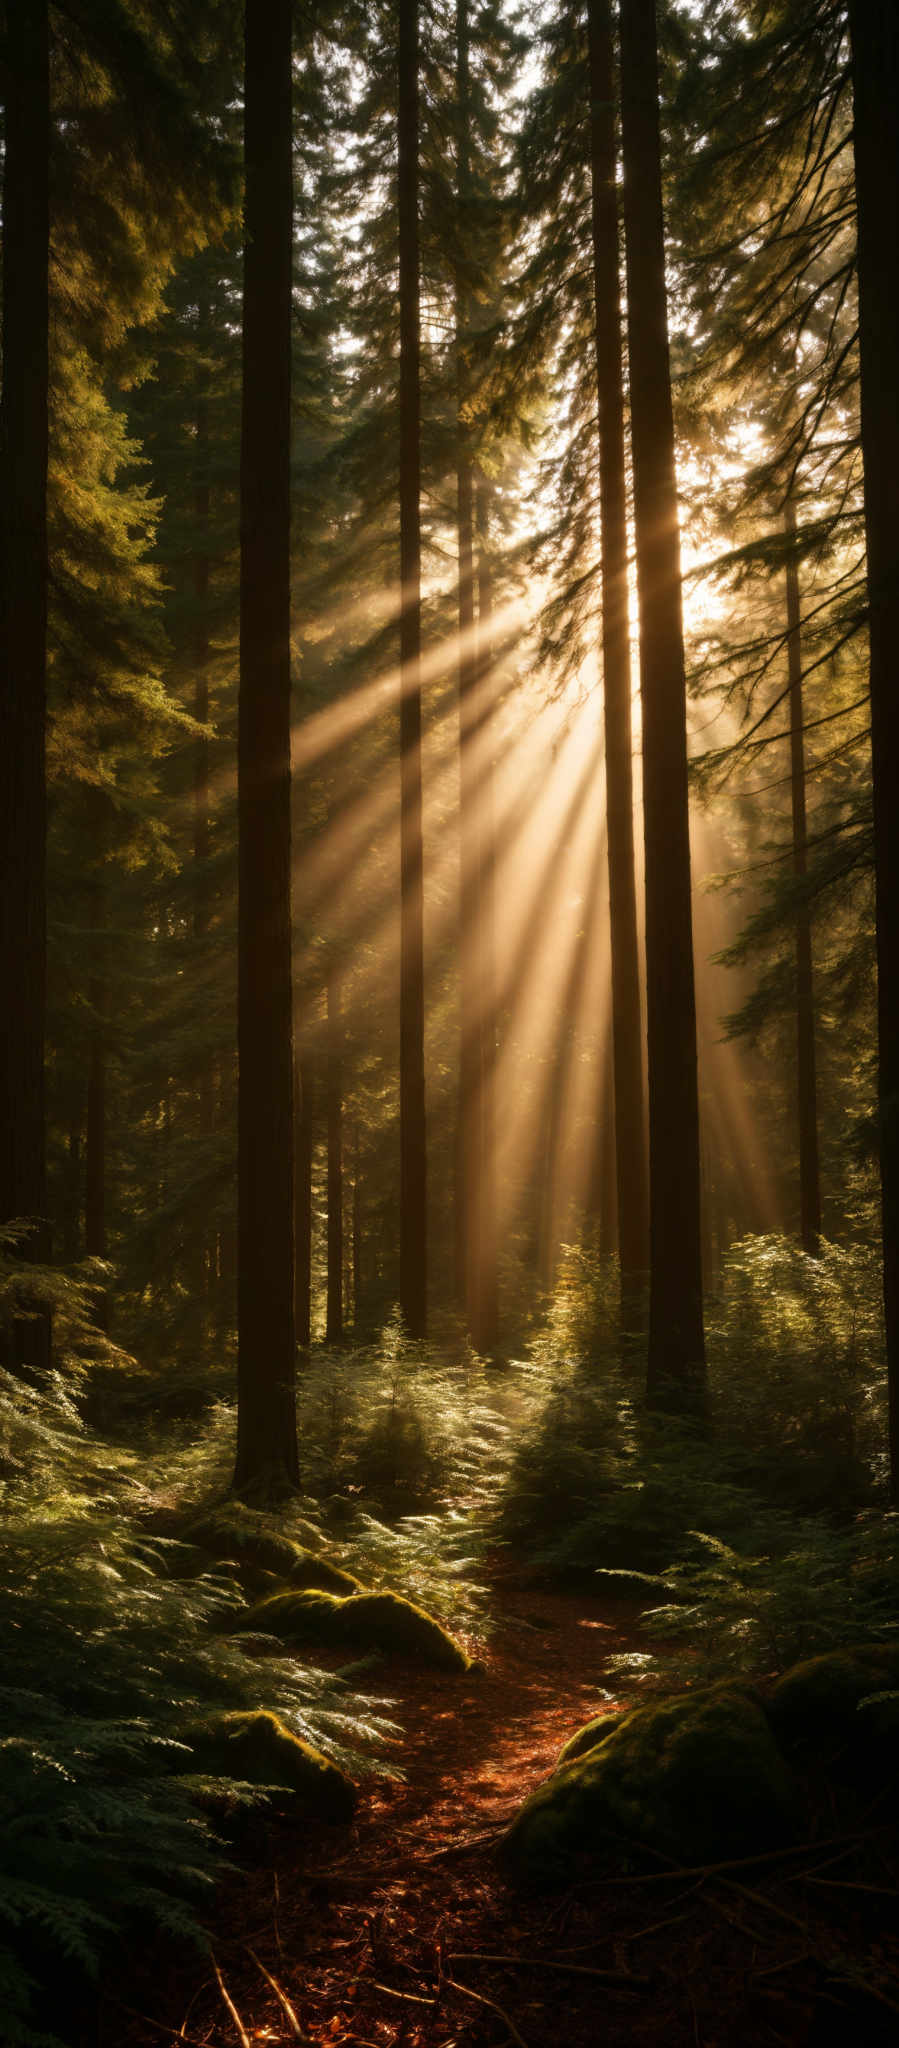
column 735, row 1612
column 108, row 1660
column 762, row 1524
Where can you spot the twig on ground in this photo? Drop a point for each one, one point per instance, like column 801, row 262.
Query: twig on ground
column 160, row 2026
column 280, row 1995
column 703, row 1870
column 790, row 1963
column 624, row 1978
column 759, row 1899
column 856, row 1982
column 411, row 1997
column 470, row 1842
column 276, row 1914
column 733, row 1919
column 452, row 1984
column 201, row 1987
column 230, row 2006
column 845, row 1884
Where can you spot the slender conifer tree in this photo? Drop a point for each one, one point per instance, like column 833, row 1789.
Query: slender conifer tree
column 676, row 1343
column 413, row 1157
column 875, row 74
column 266, row 1439
column 23, row 636
column 630, row 1130
column 809, row 1172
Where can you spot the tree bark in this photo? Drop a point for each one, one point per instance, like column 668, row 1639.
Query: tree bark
column 486, row 1335
column 874, row 26
column 95, row 1123
column 201, row 833
column 266, row 1430
column 413, row 1156
column 627, row 1031
column 303, row 1098
column 809, row 1172
column 334, row 1314
column 23, row 644
column 357, row 1231
column 676, row 1361
column 468, row 1147
column 95, row 1133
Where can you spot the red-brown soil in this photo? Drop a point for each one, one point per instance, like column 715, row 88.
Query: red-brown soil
column 401, row 1932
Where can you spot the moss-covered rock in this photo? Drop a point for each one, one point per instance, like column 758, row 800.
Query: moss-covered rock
column 261, row 1554
column 371, row 1621
column 815, row 1708
column 591, row 1735
column 697, row 1777
column 257, row 1749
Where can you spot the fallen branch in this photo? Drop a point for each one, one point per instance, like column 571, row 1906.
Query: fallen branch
column 452, row 1984
column 280, row 1995
column 470, row 1842
column 769, row 1906
column 160, row 2027
column 845, row 1884
column 703, row 1870
column 412, row 1997
column 230, row 2006
column 623, row 1978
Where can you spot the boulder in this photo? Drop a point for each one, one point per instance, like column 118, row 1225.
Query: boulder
column 261, row 1554
column 699, row 1778
column 371, row 1621
column 256, row 1748
column 816, row 1708
column 591, row 1735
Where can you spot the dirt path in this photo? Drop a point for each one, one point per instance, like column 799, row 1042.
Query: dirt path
column 401, row 1932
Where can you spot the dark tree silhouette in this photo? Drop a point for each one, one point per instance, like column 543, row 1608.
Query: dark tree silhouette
column 413, row 1157
column 676, row 1340
column 23, row 639
column 334, row 1093
column 630, row 1130
column 809, row 1173
column 875, row 73
column 266, row 1432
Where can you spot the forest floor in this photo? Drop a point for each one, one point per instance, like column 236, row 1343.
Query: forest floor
column 401, row 1932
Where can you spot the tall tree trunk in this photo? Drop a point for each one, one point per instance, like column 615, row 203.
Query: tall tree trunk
column 468, row 1149
column 606, row 1199
column 303, row 1099
column 201, row 835
column 357, row 1232
column 95, row 1147
column 676, row 1365
column 809, row 1174
column 486, row 1336
column 98, row 997
column 874, row 28
column 627, row 1033
column 95, row 1126
column 266, row 1428
column 334, row 1315
column 413, row 1156
column 23, row 642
